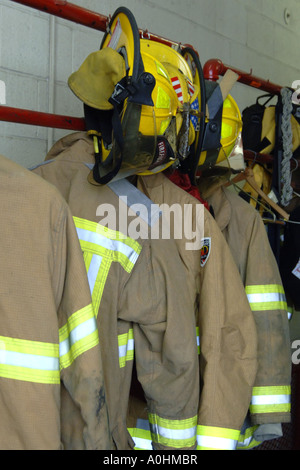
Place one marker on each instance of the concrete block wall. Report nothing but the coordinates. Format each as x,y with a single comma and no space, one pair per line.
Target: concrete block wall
38,52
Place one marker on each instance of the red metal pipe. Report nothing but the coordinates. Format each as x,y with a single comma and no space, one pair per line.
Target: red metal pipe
36,118
213,68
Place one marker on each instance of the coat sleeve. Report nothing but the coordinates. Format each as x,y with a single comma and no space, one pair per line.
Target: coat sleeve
156,299
271,399
84,422
228,345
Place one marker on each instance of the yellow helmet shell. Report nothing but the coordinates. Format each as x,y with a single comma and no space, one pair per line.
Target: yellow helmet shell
166,54
155,121
231,127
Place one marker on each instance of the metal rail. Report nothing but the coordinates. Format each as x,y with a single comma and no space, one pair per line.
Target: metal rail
213,68
36,118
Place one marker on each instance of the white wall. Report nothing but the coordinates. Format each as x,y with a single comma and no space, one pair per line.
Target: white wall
247,34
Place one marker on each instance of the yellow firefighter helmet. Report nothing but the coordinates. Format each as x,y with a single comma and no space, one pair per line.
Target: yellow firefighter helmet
225,128
130,104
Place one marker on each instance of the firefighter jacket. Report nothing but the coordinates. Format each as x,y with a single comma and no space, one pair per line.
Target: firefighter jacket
51,376
140,298
247,238
225,326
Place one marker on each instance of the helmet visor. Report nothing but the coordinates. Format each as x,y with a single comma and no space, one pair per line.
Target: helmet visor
137,154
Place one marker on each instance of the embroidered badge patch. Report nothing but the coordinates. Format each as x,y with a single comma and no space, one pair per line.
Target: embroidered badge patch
205,250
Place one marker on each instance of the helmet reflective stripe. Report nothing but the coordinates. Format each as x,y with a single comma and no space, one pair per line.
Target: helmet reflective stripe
266,297
173,433
79,334
177,87
126,347
271,399
31,361
210,438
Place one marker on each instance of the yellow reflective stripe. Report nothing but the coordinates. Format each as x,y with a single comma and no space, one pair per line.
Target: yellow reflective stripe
101,247
126,347
142,438
266,297
40,362
275,399
77,336
106,242
214,438
246,440
30,361
173,433
97,271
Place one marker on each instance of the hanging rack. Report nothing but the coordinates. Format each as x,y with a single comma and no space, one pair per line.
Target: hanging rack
213,68
82,16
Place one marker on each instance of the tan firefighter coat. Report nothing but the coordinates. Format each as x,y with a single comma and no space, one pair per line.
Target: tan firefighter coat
51,375
227,334
246,236
140,297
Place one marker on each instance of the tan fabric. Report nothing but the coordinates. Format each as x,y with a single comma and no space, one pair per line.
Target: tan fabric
43,283
226,328
247,238
143,300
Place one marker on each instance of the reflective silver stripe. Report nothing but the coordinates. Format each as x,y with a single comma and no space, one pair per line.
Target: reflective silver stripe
124,349
107,243
266,297
93,271
270,399
79,332
141,443
136,201
219,443
172,434
211,437
30,361
141,435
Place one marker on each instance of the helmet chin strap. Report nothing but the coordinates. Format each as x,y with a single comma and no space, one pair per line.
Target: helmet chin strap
138,93
217,93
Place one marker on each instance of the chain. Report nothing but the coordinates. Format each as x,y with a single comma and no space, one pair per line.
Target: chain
287,142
